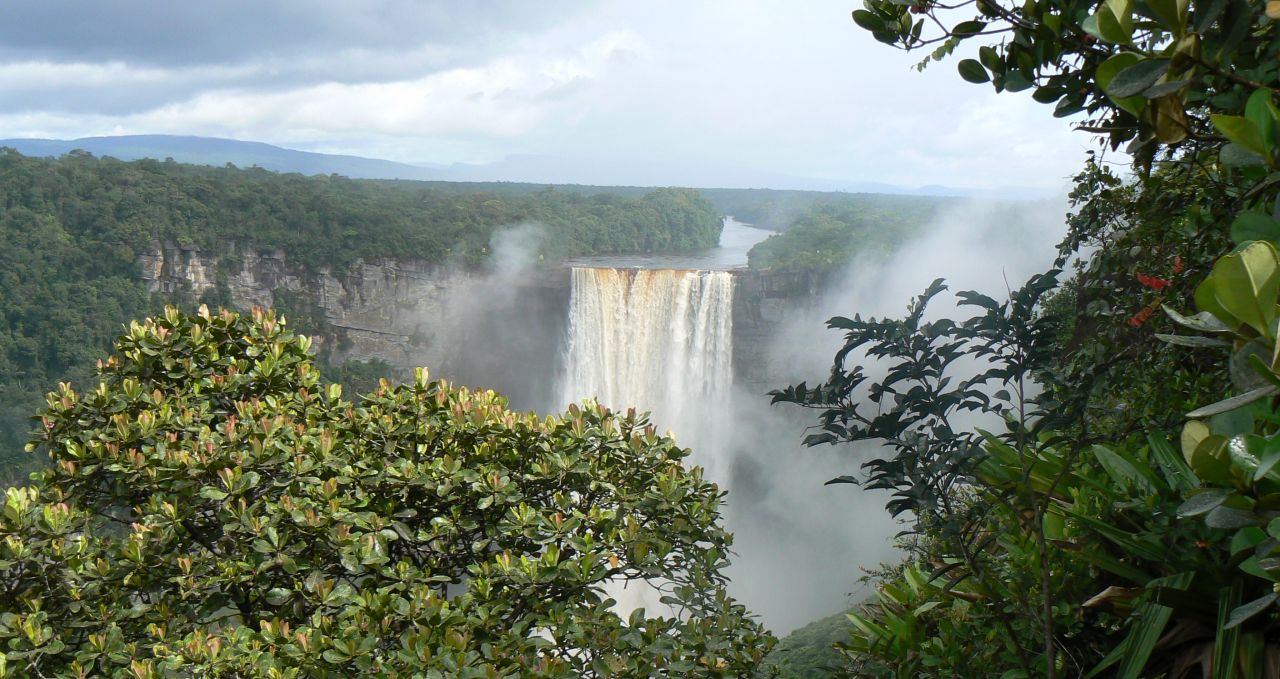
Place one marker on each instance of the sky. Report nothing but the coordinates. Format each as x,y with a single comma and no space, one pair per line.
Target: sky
792,89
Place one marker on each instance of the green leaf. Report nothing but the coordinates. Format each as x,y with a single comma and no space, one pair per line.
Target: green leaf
1262,113
1134,79
211,493
1172,14
1194,433
1254,225
1207,301
1230,518
1141,546
1110,564
1227,405
1122,10
989,57
1164,89
1125,471
1047,95
973,71
968,28
1242,131
1246,283
1225,643
1172,466
1111,28
1203,503
1015,81
1210,460
1193,341
1203,321
1147,629
1265,465
1261,369
1090,26
1107,72
868,20
1235,155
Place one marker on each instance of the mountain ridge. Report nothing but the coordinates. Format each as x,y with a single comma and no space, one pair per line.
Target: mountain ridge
517,168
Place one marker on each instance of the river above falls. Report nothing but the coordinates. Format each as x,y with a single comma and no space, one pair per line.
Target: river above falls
735,240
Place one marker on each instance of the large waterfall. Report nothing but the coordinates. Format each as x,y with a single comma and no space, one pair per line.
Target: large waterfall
656,339
659,340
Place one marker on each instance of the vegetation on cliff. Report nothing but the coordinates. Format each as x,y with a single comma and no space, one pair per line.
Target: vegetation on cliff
810,652
779,210
73,230
1117,515
828,235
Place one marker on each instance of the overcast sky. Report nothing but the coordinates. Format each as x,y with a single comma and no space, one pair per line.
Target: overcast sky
776,86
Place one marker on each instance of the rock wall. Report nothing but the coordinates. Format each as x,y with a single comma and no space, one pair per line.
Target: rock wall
462,325
763,303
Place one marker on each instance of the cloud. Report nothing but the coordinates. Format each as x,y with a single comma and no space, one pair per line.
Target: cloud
761,85
160,33
503,98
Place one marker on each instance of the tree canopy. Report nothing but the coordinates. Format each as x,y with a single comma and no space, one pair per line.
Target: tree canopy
214,509
827,236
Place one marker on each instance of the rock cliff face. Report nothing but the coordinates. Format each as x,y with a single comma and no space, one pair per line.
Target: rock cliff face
462,325
764,302
465,326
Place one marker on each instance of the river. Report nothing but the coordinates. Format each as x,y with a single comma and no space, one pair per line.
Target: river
735,240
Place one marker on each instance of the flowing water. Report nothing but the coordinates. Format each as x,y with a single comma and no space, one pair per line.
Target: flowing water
656,333
660,340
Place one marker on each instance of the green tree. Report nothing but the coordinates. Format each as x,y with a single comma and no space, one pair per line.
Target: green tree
213,509
1082,510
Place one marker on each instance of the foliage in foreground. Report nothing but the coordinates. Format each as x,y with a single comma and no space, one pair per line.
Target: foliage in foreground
1121,517
214,510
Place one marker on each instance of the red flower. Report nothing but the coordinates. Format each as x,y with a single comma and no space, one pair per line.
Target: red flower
1177,263
1153,282
1140,317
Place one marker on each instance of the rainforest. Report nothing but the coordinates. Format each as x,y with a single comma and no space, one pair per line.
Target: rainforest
570,388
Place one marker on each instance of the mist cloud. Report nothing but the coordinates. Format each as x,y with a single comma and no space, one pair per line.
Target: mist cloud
803,546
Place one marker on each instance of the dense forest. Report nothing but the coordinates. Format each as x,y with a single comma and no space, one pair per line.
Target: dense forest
827,236
73,229
772,209
778,210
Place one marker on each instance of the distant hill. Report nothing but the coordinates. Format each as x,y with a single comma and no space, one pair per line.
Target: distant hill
525,169
218,152
809,652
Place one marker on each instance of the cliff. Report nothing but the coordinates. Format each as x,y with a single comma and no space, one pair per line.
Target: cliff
462,324
466,326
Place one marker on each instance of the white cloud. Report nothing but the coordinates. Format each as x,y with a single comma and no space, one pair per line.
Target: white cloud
764,85
502,99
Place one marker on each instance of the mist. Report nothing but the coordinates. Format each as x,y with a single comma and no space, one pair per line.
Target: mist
803,547
501,327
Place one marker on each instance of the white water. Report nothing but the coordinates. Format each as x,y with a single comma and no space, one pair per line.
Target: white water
659,340
656,339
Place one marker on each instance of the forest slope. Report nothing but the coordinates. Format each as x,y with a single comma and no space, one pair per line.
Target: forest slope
74,227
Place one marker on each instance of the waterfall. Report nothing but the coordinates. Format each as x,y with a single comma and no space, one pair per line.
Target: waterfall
656,339
659,340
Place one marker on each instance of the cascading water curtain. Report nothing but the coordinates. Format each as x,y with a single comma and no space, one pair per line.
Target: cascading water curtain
659,340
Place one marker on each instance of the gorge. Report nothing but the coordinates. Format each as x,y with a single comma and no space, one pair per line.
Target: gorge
690,338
